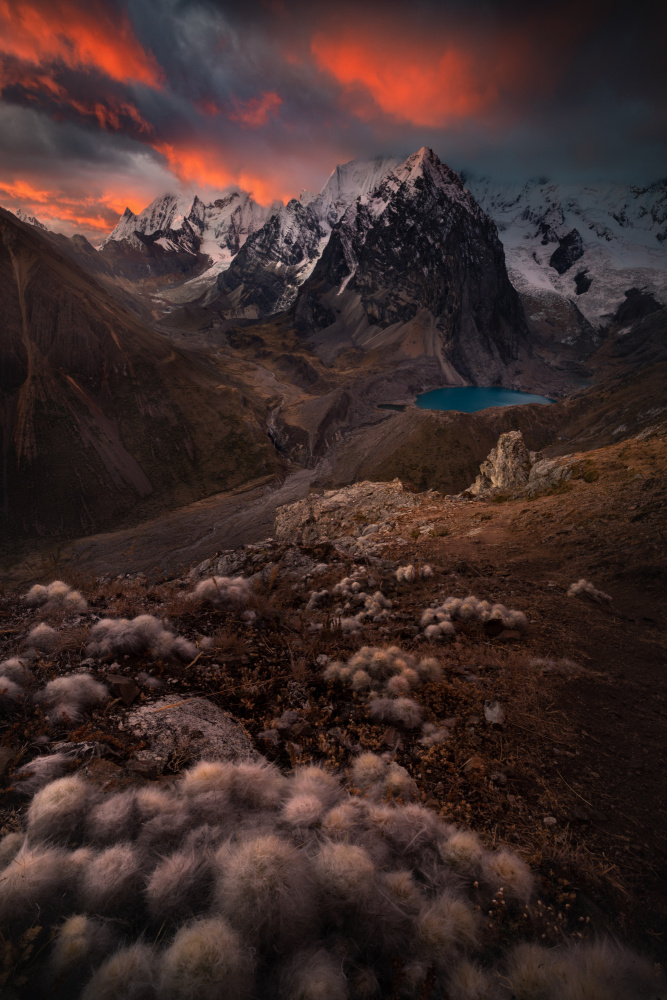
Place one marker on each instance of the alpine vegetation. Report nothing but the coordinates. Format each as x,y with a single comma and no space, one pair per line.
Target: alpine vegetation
279,886
223,592
66,698
408,574
42,770
437,620
56,594
386,677
16,670
584,588
145,633
42,637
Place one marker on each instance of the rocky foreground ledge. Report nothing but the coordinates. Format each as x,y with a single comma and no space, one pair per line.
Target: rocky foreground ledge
268,772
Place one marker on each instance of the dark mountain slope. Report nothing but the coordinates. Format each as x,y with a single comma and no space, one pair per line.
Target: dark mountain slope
102,419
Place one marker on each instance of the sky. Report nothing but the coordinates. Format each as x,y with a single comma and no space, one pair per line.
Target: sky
109,103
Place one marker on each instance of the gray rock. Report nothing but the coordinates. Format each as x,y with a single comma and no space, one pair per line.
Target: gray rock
507,466
341,514
511,468
193,728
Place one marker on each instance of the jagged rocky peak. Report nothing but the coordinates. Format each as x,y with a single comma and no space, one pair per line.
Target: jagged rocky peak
30,220
416,268
187,224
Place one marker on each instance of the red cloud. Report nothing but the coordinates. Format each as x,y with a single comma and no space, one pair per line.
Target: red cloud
206,167
447,74
257,111
58,207
80,36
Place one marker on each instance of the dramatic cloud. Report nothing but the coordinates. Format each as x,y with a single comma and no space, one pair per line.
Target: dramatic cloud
110,101
77,35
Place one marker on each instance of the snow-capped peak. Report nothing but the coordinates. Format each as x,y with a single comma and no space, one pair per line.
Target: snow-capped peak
29,219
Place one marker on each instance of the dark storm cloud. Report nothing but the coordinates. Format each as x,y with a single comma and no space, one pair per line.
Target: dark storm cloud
133,96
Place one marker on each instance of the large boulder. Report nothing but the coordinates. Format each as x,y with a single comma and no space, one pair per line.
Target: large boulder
507,466
511,468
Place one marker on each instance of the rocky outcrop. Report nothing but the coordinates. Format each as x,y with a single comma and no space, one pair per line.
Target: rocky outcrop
570,249
507,467
511,468
346,512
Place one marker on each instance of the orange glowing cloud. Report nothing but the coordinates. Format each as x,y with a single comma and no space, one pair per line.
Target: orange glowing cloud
436,79
422,85
80,36
97,213
257,111
204,167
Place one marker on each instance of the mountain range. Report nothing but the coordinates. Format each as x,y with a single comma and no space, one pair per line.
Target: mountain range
577,247
204,345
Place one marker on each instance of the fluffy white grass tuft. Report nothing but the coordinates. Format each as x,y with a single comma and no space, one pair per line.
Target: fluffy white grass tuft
344,871
437,620
111,879
57,810
32,881
143,633
42,637
9,848
130,974
506,871
265,888
206,960
406,574
463,852
171,887
433,735
223,592
11,694
40,771
584,588
447,926
314,975
561,668
66,698
16,670
469,982
288,863
381,779
79,941
401,711
56,594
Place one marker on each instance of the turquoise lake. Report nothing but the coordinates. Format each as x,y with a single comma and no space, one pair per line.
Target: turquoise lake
469,398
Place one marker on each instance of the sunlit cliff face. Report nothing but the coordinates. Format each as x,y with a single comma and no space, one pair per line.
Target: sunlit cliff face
107,103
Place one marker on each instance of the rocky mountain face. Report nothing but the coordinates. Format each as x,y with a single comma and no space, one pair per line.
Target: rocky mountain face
573,251
265,276
183,235
416,269
101,417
